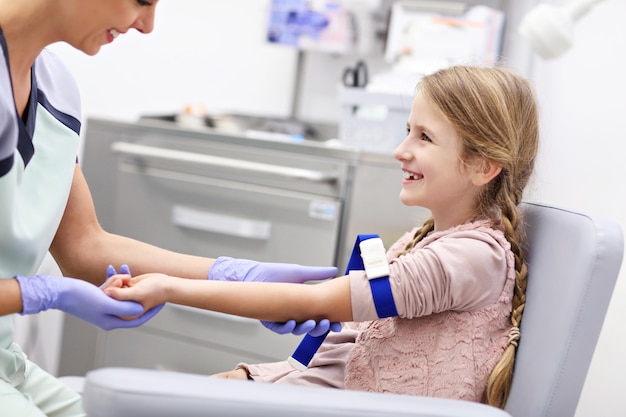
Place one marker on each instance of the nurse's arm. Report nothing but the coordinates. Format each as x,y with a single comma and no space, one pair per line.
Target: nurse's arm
83,250
10,297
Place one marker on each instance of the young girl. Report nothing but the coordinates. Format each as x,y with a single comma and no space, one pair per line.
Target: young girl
458,281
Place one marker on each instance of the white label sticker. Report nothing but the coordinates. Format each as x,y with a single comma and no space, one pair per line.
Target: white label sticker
322,210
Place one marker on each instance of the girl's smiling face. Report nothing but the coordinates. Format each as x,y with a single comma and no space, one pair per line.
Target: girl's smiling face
94,23
434,175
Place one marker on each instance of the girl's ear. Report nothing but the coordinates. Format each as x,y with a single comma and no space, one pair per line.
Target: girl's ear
484,172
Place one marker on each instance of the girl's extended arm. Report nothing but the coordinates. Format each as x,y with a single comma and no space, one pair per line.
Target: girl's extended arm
265,301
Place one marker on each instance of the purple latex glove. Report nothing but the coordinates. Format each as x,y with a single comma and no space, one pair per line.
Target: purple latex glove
245,270
232,269
80,299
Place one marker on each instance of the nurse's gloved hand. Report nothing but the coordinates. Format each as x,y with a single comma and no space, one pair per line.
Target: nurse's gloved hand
310,326
80,299
244,270
232,269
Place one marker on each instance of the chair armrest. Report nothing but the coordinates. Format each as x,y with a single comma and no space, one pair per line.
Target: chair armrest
129,392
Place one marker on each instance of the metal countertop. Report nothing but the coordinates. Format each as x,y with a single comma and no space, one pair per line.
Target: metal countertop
307,147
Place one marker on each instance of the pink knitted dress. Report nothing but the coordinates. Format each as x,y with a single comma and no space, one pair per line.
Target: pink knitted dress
453,292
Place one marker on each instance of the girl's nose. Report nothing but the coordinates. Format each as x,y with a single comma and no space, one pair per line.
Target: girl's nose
402,156
400,153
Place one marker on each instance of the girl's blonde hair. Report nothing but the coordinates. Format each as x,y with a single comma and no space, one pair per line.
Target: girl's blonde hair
495,114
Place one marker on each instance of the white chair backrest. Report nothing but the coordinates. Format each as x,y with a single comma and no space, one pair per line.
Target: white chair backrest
573,263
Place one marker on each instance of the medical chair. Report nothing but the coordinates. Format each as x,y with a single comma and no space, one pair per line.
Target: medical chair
573,264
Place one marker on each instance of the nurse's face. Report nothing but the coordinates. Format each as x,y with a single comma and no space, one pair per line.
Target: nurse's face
94,23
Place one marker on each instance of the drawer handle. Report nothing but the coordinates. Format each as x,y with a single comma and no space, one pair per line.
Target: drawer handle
134,149
220,223
212,314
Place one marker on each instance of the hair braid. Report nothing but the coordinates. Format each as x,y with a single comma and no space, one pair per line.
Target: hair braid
427,227
499,382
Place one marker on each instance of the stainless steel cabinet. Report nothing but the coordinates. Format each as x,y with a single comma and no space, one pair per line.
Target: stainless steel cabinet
211,200
186,339
209,194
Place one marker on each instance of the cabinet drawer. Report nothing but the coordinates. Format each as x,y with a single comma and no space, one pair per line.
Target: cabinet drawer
148,347
242,163
223,331
213,217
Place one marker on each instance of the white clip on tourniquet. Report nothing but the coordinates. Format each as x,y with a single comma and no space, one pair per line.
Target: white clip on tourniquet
377,271
374,258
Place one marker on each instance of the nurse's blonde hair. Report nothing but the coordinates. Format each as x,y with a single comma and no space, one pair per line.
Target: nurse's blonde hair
495,113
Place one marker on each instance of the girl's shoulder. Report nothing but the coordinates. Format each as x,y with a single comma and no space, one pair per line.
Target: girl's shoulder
480,230
476,227
483,230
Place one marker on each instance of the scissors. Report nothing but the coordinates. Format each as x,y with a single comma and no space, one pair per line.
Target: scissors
355,77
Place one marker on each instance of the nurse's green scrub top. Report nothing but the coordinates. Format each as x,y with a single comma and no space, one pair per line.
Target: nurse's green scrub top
37,161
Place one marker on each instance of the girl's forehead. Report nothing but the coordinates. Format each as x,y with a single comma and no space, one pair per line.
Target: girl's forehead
424,112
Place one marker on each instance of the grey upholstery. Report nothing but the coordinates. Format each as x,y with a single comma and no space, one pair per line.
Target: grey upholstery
573,260
573,263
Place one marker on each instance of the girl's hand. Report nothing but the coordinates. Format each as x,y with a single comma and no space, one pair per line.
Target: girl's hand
121,280
147,289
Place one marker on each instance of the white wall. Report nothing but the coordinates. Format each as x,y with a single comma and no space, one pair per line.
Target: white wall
582,165
212,51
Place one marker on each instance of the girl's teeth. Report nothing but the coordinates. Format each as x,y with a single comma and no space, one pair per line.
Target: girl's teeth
114,33
410,176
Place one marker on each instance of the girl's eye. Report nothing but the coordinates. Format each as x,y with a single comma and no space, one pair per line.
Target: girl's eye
144,2
426,137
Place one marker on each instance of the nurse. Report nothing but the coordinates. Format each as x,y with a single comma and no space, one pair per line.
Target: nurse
46,204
